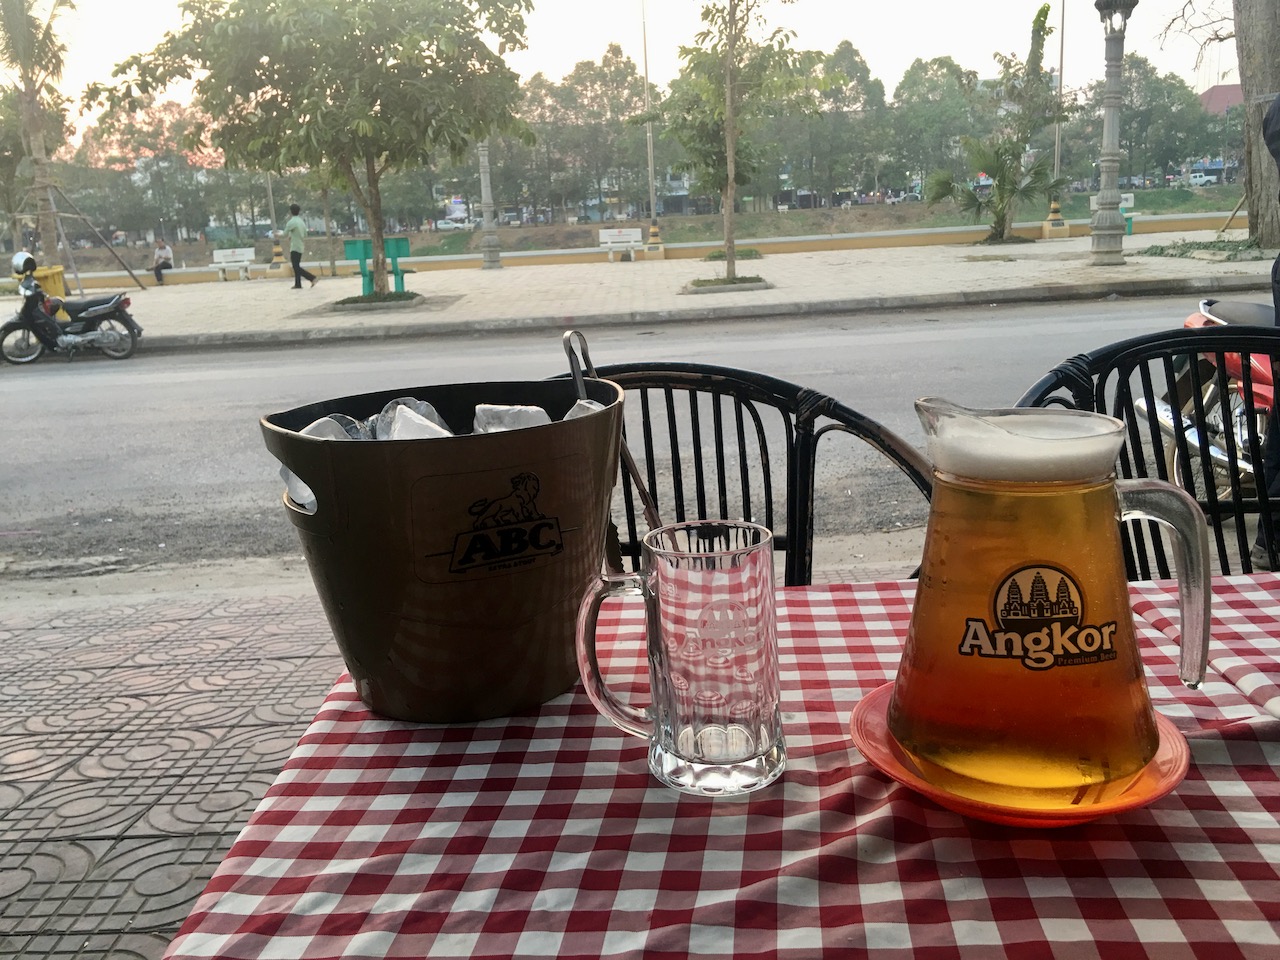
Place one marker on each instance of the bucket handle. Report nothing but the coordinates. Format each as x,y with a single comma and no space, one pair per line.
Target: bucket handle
303,458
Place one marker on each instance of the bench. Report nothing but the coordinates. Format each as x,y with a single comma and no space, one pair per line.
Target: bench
233,258
621,238
393,247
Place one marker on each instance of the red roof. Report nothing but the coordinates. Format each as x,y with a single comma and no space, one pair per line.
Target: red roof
1222,97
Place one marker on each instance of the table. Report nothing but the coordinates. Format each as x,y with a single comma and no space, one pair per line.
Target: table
543,835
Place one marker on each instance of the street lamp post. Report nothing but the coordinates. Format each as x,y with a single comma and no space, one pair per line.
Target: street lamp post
490,259
655,241
1107,226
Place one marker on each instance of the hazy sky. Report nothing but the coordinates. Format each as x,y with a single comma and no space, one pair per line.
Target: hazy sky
100,33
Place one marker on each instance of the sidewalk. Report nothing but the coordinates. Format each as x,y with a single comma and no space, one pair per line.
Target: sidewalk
521,296
139,731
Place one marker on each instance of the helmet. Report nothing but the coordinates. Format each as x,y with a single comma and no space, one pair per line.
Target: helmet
23,262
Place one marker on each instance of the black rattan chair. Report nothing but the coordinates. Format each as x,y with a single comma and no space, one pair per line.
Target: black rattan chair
1195,403
715,442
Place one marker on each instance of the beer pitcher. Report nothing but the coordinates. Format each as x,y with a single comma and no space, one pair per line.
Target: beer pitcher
1020,682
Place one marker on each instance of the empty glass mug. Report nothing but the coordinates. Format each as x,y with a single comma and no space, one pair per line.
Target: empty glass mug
714,727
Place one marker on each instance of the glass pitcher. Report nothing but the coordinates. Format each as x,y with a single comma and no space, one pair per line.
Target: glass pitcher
1020,682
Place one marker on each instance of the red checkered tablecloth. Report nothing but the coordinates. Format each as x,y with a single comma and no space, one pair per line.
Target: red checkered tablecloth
544,835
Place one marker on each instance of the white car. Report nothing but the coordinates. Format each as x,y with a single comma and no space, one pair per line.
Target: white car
905,198
446,225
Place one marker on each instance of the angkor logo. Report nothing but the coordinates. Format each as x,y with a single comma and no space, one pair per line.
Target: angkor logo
1038,614
508,531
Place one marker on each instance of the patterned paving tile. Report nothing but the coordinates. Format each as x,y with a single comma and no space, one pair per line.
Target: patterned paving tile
135,741
37,877
142,885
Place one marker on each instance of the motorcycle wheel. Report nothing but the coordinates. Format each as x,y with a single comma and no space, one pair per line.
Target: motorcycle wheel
126,341
19,345
1218,420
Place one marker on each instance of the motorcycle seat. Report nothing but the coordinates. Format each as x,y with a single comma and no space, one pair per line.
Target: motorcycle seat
74,307
1239,311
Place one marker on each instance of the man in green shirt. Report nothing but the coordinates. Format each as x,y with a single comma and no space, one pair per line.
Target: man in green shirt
297,231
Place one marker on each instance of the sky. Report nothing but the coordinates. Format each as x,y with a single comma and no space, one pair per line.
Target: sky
99,34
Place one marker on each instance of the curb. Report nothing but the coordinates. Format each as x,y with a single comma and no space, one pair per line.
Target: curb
443,328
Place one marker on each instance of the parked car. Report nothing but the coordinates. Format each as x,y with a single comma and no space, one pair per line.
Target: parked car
904,198
460,224
1203,179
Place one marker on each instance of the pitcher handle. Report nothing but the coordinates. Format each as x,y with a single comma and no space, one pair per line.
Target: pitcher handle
623,715
1148,499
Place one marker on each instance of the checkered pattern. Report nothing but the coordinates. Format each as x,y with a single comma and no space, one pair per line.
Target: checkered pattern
544,835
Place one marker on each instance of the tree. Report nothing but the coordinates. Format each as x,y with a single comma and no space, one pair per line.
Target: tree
366,86
1254,25
32,52
935,104
1028,105
1257,40
727,80
1013,182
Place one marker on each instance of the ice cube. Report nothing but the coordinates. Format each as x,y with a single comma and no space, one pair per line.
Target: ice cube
356,429
326,428
408,425
582,408
383,421
494,418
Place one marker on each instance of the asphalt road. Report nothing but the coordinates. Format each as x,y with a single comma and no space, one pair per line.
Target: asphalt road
117,466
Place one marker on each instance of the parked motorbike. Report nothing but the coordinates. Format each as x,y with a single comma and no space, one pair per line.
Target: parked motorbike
1230,411
103,323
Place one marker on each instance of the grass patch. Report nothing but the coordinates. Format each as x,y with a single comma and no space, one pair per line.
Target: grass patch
725,281
389,297
449,244
1247,249
744,253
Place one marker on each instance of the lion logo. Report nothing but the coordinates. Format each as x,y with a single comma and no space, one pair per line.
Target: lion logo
518,506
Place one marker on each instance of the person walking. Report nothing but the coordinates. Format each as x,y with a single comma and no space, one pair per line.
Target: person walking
297,231
162,259
1261,556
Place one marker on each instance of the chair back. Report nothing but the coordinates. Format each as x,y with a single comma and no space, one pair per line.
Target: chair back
716,442
1197,404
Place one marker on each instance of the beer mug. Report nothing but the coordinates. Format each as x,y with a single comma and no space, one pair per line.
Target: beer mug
1020,683
714,727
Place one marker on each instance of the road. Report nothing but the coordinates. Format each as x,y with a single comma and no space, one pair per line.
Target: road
158,460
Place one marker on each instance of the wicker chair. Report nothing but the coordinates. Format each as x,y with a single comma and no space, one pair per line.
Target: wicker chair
715,442
1195,403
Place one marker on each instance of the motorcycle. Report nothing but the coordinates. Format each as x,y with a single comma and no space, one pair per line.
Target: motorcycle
1232,421
103,323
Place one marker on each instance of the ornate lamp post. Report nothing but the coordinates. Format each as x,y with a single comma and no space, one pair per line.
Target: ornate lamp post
655,241
490,260
1108,224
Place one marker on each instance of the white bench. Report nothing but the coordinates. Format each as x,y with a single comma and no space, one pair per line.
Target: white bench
622,238
237,258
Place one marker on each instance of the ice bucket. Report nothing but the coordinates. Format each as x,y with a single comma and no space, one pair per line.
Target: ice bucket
451,569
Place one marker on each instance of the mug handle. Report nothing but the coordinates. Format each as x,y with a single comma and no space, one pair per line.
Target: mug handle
622,715
1149,499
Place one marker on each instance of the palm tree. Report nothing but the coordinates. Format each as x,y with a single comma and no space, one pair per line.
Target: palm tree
31,50
1013,183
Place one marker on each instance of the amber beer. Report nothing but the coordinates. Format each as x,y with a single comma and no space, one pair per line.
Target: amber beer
1021,682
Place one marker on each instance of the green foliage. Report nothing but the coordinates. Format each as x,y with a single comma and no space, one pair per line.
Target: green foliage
1247,249
362,86
744,253
1013,182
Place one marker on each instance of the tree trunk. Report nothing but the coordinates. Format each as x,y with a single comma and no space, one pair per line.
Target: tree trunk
1257,40
33,133
374,212
730,142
